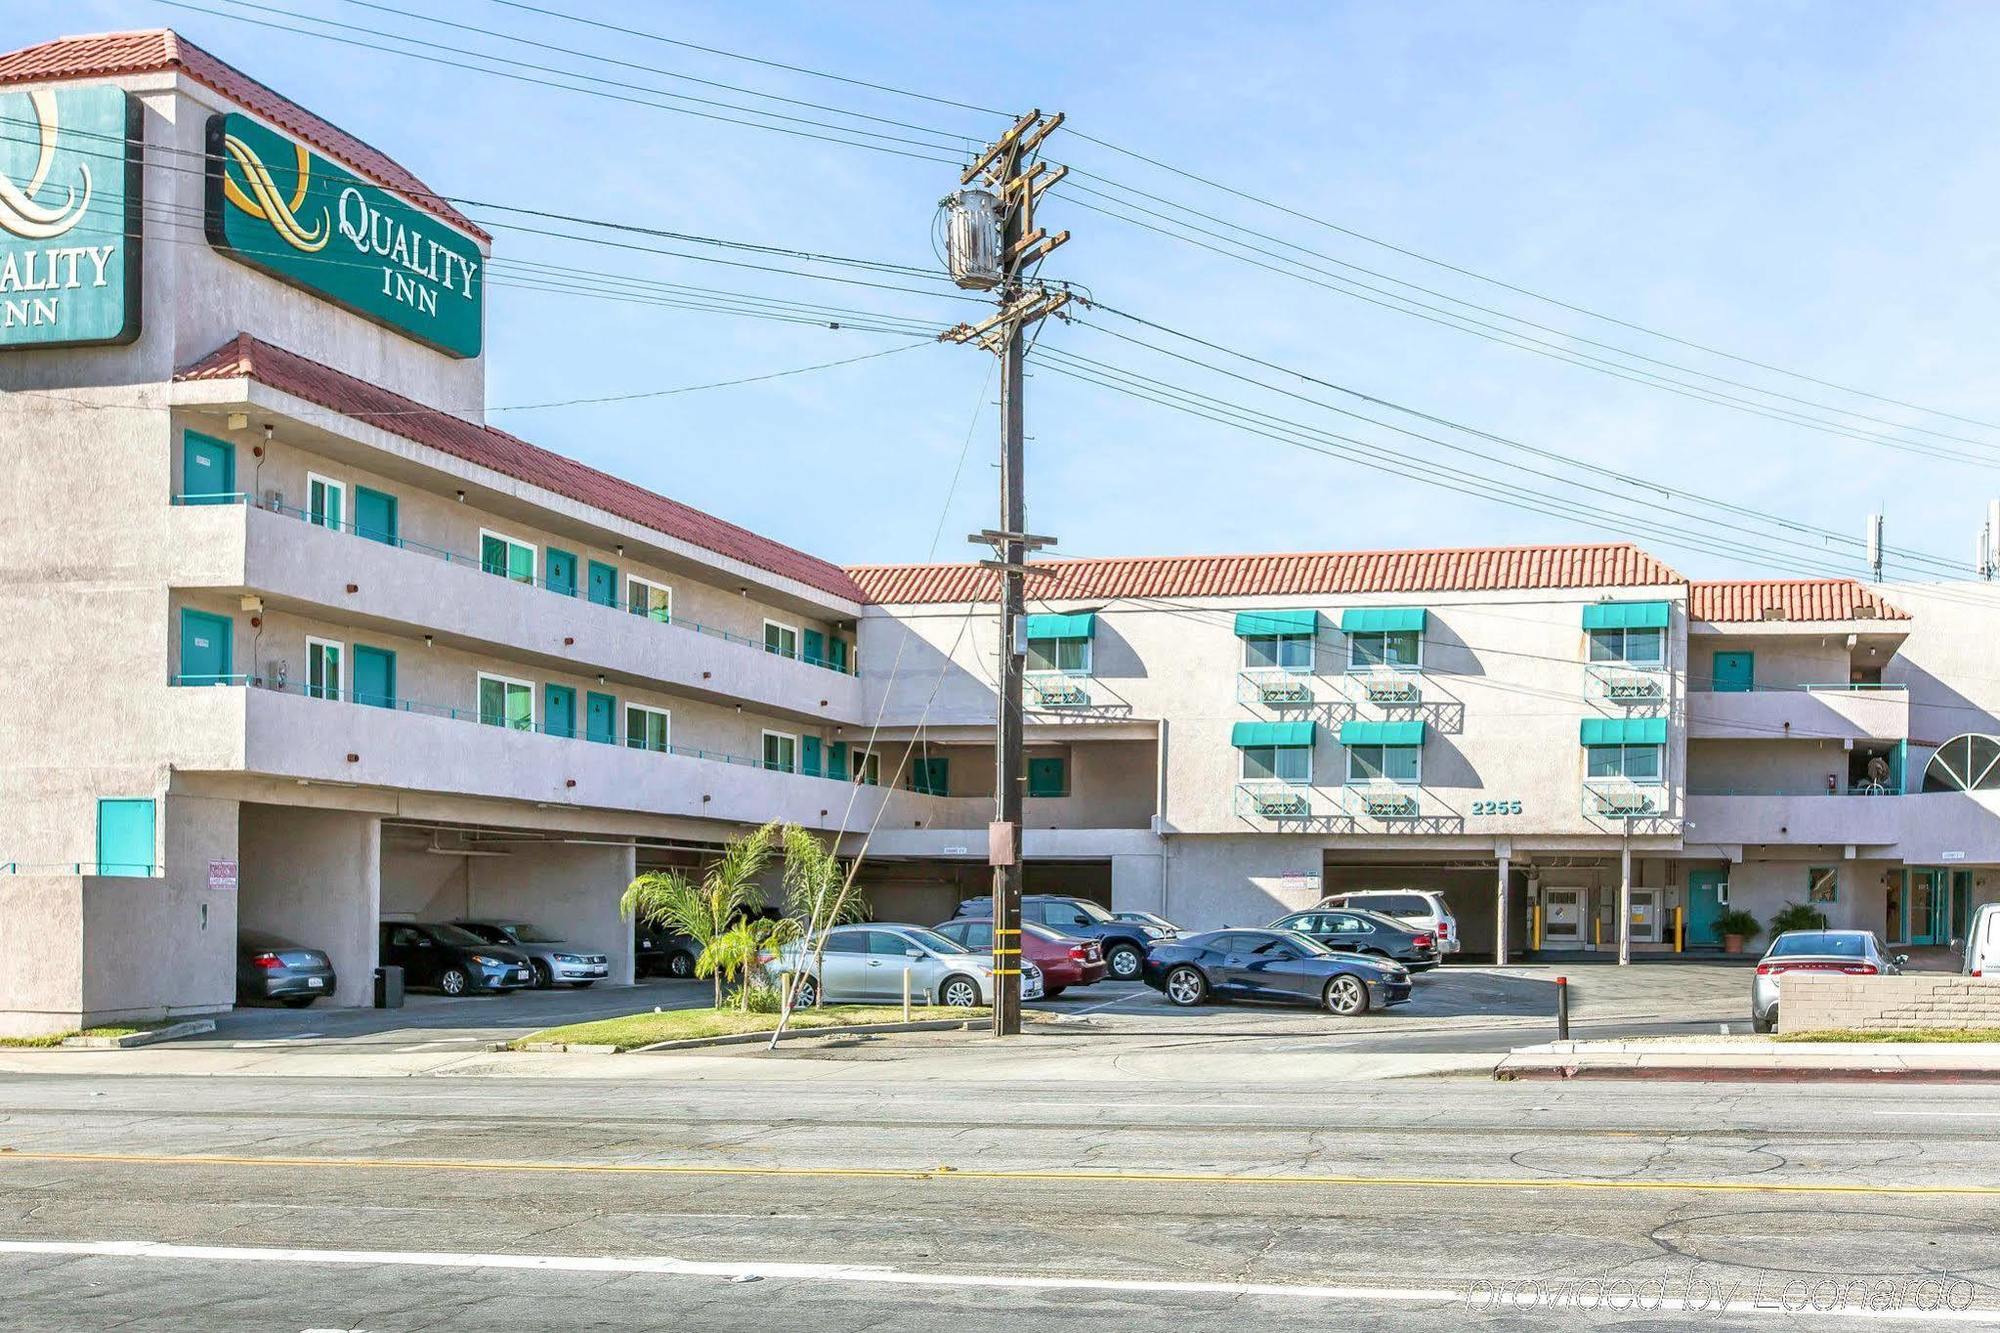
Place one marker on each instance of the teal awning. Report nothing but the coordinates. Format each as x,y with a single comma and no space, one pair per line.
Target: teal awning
1383,620
1254,735
1628,615
1080,626
1624,731
1382,733
1262,624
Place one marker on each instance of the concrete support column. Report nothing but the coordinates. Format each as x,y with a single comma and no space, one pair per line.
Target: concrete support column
1500,913
314,877
1625,903
1138,884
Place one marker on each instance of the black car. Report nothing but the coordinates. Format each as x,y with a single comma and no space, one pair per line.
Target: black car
1275,965
1124,942
268,968
1351,930
454,961
658,951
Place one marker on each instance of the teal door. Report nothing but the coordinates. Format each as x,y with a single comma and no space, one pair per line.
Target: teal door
603,587
1704,905
836,760
375,516
814,649
932,776
559,710
1929,902
1734,673
125,837
809,756
208,470
207,650
559,567
836,651
374,676
600,718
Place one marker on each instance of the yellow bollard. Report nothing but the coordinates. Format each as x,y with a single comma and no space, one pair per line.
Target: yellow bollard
1597,932
1535,925
1680,932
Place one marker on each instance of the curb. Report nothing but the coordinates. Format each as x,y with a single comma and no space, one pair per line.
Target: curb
193,1027
848,1030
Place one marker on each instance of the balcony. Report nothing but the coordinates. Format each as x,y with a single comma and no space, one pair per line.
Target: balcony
1389,686
1626,685
1386,802
1794,817
404,744
1620,800
1274,800
274,552
1272,687
1057,692
1812,712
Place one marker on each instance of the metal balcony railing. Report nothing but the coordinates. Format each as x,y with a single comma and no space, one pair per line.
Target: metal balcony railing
1392,687
1382,800
1274,687
1058,692
1619,798
1273,800
1622,683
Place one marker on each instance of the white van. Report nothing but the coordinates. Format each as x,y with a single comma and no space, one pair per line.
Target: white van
1421,908
1982,942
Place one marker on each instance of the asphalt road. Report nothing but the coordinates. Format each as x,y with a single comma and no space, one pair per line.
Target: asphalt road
786,1200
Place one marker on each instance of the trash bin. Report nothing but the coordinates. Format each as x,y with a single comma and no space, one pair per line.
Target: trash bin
388,988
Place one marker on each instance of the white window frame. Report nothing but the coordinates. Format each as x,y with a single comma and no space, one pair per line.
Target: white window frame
1659,779
793,630
1312,653
650,710
1243,764
344,521
649,584
1084,669
1356,667
764,750
864,763
313,644
1625,658
1415,780
534,701
534,555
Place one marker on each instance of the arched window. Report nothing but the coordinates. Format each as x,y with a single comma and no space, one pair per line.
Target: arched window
1965,763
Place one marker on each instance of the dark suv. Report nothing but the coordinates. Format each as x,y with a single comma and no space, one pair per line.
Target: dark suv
1124,942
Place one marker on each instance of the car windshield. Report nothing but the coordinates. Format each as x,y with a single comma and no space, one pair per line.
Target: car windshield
931,940
1091,910
1306,943
453,935
1821,942
523,933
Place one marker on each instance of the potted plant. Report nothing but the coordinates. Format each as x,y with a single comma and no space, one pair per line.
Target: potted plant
1734,927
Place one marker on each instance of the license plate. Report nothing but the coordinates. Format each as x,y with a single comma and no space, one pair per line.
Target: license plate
315,982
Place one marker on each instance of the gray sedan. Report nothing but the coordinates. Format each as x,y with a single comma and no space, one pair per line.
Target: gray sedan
866,964
1854,953
555,962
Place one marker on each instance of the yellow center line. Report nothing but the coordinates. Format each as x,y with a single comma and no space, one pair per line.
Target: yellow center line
1084,1177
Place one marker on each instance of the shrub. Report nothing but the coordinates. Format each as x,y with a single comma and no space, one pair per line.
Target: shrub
757,997
1736,921
1798,916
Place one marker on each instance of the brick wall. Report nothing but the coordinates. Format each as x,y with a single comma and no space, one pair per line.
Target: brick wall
1887,1004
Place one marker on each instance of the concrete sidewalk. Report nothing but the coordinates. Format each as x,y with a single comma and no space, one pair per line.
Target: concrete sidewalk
1752,1057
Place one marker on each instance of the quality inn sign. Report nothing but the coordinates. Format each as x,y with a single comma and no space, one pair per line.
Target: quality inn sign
69,217
277,206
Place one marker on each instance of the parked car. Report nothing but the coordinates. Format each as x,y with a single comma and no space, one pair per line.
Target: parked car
268,968
454,961
1065,960
660,952
1276,965
865,965
1146,919
1422,909
1856,953
1352,930
553,960
1124,942
1982,941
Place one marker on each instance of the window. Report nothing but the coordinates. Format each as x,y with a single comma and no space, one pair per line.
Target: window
1639,647
324,501
847,941
645,598
781,752
506,703
781,639
503,555
648,728
1071,657
1384,648
325,663
1048,776
1278,763
1822,885
976,936
1634,763
1385,763
1282,652
868,769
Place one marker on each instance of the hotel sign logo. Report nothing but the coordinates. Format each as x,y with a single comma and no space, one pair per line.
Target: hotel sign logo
69,217
279,207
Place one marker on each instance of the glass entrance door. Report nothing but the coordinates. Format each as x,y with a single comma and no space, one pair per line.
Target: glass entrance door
1929,907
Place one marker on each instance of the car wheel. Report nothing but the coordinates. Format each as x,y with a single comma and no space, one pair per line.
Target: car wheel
959,993
807,994
1124,961
680,966
1764,1024
453,981
1346,996
298,1001
543,977
1186,986
1051,992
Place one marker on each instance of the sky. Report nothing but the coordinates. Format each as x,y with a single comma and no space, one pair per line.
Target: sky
1807,186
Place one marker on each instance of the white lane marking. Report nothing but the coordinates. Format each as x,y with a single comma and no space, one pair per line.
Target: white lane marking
1078,1013
1969,1115
1473,1294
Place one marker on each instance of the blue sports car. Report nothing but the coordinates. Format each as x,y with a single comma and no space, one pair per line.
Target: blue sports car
1276,965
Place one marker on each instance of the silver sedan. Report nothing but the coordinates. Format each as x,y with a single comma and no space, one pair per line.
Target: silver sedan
1854,953
866,965
555,962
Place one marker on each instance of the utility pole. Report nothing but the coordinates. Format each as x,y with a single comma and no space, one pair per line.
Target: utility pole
994,243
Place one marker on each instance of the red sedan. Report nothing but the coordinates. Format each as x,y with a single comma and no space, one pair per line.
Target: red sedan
1065,960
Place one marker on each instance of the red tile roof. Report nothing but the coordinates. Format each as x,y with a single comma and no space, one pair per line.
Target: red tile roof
114,53
1478,569
247,358
1742,600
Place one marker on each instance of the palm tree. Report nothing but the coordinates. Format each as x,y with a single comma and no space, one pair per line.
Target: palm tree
736,951
707,911
819,893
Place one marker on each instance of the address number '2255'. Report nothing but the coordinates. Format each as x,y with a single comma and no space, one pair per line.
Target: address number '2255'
1496,807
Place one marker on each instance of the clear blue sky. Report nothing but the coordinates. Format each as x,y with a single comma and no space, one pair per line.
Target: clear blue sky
1812,185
